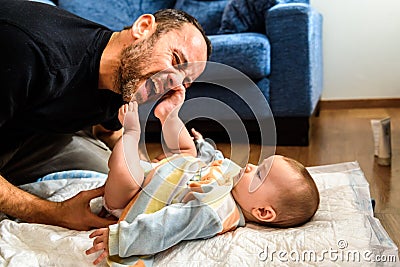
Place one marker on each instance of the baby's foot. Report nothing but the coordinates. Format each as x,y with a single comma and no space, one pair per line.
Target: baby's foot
129,117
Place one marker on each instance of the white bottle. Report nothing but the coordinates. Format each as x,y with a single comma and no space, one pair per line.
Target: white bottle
382,136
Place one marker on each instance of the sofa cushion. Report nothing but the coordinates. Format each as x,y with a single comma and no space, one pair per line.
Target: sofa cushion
247,52
115,14
293,1
44,2
207,12
245,16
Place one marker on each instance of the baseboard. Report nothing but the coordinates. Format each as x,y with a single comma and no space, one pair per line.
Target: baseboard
360,103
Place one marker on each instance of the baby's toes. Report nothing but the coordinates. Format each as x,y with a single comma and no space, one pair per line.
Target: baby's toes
133,106
124,108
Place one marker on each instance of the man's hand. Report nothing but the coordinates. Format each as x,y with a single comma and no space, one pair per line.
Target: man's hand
76,214
73,213
171,102
100,243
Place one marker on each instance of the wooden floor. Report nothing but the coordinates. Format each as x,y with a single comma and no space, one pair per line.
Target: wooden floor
342,135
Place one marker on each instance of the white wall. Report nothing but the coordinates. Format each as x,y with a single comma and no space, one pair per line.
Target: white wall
361,48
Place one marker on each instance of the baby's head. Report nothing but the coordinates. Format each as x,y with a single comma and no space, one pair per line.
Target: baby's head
279,192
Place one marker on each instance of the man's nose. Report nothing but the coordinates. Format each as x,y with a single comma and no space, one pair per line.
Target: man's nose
175,80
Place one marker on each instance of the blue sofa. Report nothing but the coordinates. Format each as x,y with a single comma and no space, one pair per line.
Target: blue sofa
280,51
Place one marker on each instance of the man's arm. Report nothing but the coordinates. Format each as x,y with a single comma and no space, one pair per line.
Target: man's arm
73,213
176,136
14,98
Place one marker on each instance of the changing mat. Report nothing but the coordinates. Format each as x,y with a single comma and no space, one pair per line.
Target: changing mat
343,232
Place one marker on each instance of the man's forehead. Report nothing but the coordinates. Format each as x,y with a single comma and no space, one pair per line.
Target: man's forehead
190,41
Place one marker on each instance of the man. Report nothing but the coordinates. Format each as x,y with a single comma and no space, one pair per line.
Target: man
60,74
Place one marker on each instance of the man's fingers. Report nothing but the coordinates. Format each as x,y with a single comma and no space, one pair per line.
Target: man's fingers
98,222
95,220
93,193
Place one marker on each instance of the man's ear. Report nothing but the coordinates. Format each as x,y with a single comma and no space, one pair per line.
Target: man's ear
265,214
143,26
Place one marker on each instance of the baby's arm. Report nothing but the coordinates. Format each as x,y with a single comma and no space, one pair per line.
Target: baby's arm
176,136
126,175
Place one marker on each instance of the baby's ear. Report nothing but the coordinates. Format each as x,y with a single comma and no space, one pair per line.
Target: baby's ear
264,214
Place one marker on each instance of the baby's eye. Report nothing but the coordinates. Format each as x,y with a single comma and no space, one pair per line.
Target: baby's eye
259,174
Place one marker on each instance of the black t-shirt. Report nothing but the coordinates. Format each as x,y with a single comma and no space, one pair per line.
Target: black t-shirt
49,68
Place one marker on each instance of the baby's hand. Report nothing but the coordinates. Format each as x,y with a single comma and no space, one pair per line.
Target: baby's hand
100,243
196,135
129,117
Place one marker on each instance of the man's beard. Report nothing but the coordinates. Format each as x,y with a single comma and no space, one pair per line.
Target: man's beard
135,59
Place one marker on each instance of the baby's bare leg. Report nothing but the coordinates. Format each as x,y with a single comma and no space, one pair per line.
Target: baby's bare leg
126,175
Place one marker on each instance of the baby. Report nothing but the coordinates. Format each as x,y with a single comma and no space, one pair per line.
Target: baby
188,196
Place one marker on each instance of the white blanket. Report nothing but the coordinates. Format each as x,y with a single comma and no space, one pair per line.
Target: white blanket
343,232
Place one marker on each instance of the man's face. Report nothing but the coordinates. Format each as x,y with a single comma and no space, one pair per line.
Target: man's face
153,65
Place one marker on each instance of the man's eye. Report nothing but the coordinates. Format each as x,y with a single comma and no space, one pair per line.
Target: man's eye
177,60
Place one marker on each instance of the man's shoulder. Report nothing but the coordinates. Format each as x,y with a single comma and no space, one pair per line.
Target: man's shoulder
60,36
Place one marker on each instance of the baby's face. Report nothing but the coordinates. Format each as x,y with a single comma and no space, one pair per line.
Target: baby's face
256,184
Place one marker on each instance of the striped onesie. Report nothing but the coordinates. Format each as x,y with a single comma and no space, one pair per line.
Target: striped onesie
187,198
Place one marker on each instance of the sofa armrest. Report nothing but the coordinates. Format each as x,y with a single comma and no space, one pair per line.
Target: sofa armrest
295,34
